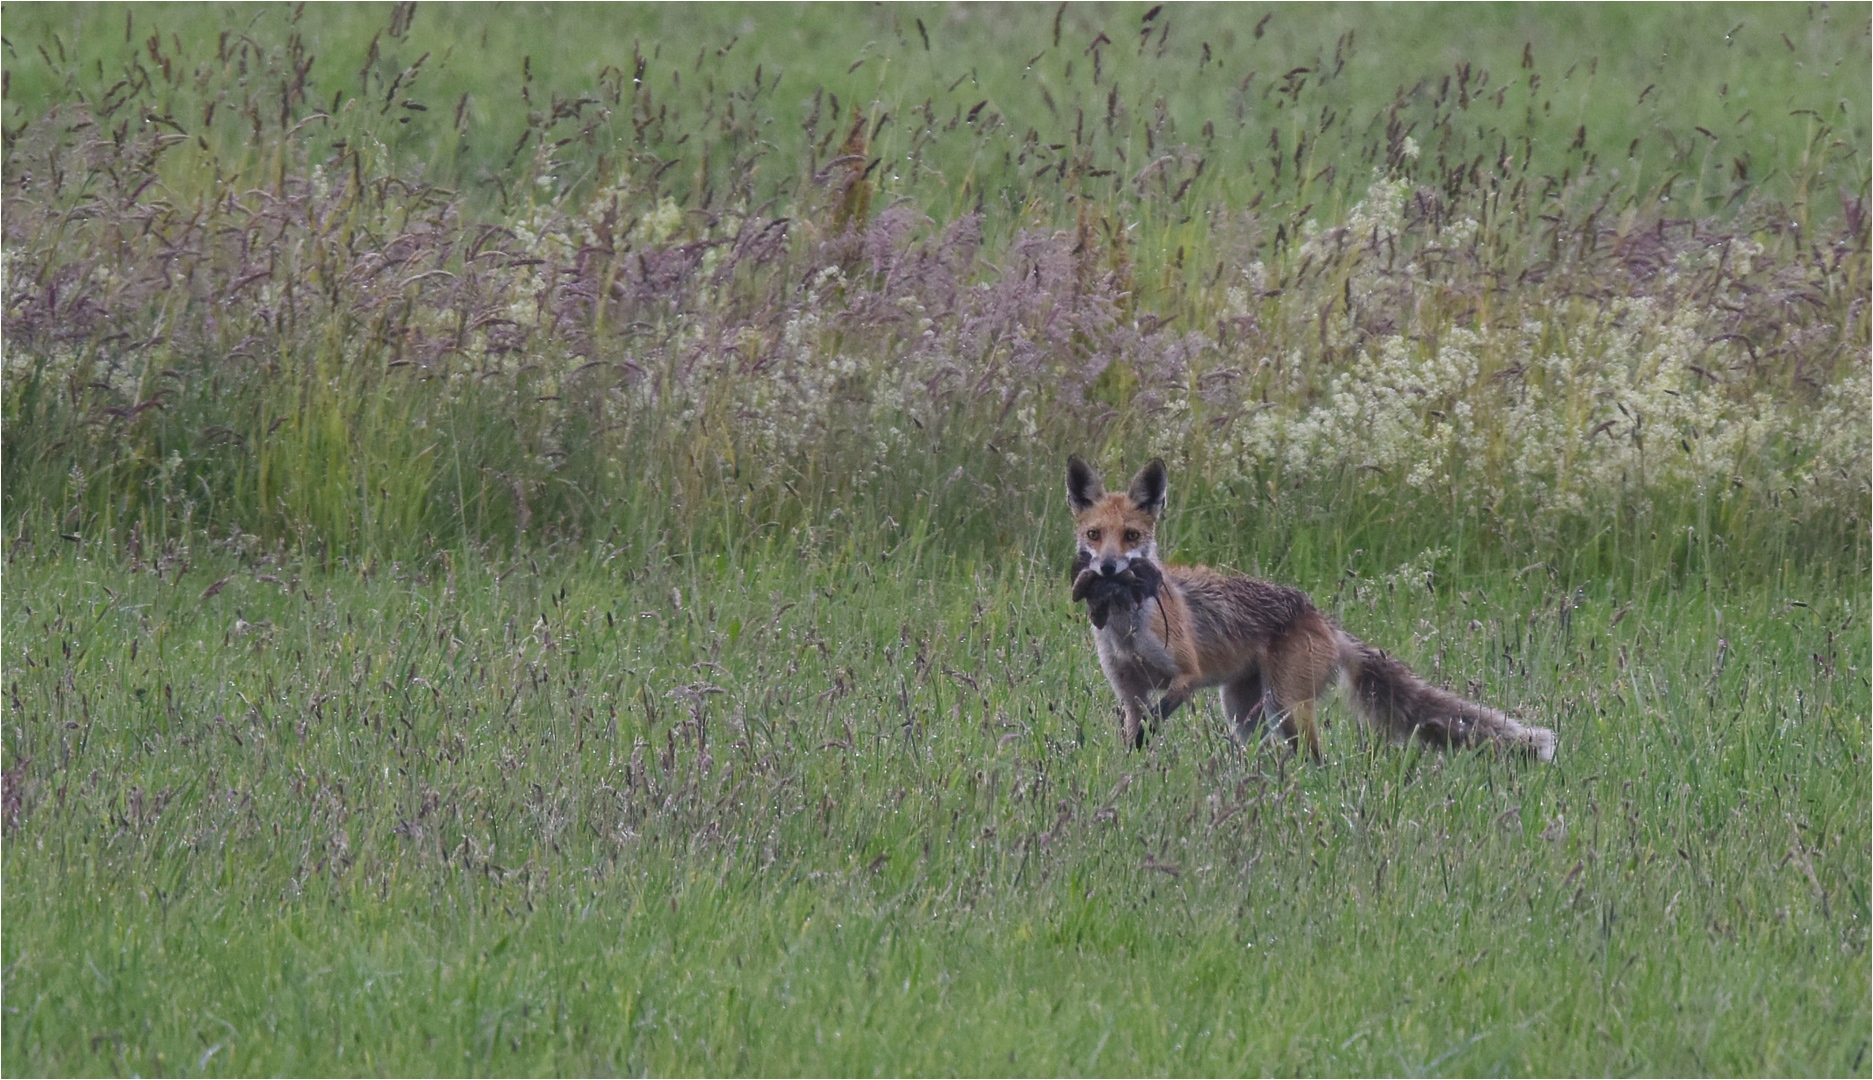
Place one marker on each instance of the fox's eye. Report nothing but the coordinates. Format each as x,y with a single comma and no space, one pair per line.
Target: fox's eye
1093,535
1131,536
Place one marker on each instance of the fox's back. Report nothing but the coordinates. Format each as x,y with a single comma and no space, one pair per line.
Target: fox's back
1237,609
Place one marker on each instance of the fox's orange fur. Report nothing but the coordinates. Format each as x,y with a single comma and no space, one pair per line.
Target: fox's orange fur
1272,653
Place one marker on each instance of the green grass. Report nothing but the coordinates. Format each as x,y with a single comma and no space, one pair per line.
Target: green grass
500,580
1735,70
251,287
798,812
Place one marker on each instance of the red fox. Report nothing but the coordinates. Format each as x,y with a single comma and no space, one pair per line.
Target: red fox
1180,629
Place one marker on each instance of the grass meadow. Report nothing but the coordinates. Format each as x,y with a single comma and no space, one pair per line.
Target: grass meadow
535,540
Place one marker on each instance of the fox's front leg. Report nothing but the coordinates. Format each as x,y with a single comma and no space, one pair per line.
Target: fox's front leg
1134,732
1131,685
1174,696
1186,675
1183,668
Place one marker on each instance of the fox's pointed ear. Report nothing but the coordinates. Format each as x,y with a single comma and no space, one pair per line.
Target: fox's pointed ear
1083,485
1148,487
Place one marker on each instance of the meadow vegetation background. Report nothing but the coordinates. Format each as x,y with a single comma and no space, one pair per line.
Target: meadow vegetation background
534,535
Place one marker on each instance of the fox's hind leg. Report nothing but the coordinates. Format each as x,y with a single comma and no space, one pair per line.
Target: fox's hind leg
1253,706
1300,665
1249,705
1299,721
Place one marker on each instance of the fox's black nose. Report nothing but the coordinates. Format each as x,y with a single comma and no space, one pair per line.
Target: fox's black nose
1108,567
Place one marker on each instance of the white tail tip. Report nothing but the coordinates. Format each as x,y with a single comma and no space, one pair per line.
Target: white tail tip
1542,742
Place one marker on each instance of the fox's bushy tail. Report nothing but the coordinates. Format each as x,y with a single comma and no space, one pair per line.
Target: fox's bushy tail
1396,701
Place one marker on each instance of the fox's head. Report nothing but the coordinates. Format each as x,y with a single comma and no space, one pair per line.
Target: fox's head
1114,528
